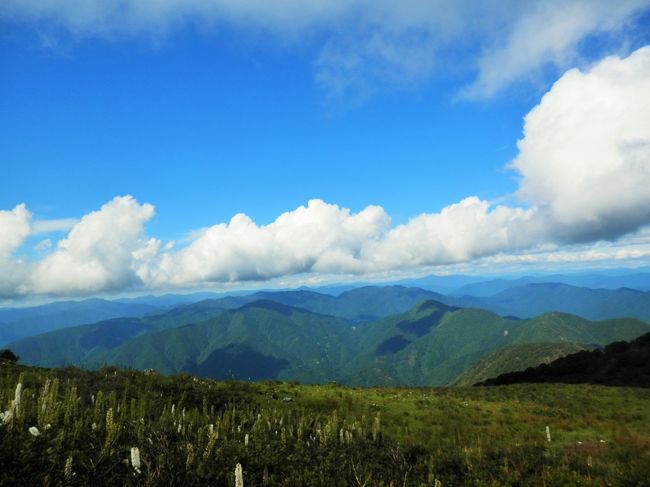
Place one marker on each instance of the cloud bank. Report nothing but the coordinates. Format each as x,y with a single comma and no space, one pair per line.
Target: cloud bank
584,173
584,160
363,45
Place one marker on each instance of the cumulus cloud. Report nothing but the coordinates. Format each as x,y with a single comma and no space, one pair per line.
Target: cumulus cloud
15,227
460,232
102,252
364,44
318,237
584,159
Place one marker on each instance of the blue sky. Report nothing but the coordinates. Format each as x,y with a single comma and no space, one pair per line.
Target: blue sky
229,109
204,131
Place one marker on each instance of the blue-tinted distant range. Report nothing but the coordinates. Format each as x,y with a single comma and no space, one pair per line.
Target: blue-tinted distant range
156,147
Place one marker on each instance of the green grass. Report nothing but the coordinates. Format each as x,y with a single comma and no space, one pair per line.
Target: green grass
315,435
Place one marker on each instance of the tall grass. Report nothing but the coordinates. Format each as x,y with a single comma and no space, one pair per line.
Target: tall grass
115,427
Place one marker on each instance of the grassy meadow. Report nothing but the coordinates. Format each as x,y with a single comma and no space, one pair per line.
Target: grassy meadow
122,427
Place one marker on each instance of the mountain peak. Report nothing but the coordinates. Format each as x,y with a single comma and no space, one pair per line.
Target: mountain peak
267,304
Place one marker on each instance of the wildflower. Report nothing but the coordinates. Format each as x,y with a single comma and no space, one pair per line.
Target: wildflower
6,417
135,459
548,434
239,476
246,440
67,469
34,431
19,391
190,455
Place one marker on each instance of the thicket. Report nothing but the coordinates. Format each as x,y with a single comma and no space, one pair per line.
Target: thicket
121,427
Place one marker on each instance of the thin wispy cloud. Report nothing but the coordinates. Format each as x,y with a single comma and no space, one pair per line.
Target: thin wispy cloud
363,46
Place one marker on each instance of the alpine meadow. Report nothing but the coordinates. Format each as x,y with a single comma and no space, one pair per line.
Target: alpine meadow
308,243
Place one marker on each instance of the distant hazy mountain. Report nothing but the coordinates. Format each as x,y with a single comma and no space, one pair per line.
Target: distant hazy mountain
170,300
16,323
534,299
514,358
440,284
619,364
360,305
639,281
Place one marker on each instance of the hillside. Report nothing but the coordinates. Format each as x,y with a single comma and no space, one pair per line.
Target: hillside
121,427
260,340
72,345
434,343
619,364
514,358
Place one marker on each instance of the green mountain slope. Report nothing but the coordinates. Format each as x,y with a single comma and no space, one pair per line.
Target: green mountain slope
261,340
72,345
619,364
398,351
513,358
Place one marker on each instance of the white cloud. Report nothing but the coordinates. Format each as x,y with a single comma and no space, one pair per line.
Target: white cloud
585,155
365,44
547,33
100,253
15,227
460,232
318,237
48,226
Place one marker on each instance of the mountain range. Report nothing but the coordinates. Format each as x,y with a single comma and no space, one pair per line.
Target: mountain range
530,300
418,340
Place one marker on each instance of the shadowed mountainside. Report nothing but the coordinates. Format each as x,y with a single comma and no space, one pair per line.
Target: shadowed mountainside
619,364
